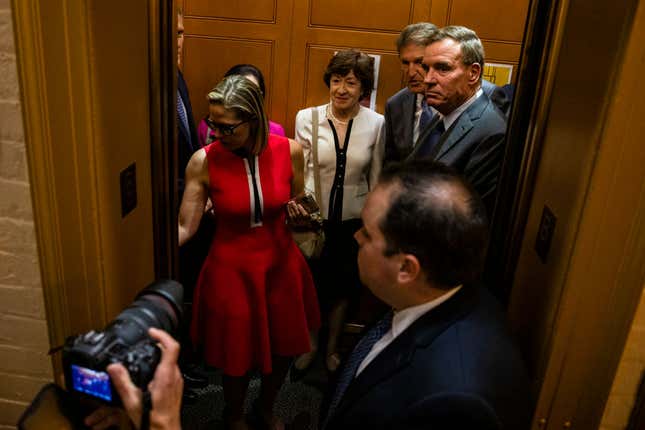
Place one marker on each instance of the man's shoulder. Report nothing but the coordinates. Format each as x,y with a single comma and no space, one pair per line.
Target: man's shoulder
400,97
463,321
484,114
474,359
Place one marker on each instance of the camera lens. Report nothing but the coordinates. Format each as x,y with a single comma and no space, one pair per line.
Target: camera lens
158,305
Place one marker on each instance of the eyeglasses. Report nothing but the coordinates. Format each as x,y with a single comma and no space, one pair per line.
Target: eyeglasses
225,129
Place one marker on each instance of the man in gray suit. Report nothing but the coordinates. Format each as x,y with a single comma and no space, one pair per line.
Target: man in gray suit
406,112
468,131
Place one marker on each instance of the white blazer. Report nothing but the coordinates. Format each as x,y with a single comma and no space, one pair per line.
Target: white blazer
364,157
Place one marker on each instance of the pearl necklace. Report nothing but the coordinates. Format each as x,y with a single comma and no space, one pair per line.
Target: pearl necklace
330,115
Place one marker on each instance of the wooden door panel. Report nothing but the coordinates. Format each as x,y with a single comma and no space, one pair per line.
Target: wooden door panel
378,15
206,59
292,41
501,20
242,10
218,37
499,24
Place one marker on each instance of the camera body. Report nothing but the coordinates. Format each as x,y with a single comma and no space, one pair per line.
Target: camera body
86,357
125,340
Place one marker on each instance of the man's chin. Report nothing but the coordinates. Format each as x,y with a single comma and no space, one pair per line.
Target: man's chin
433,100
417,88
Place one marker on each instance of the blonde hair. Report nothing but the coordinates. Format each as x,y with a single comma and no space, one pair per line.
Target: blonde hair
240,95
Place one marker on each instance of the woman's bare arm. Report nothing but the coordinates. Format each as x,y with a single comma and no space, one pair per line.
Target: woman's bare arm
296,213
195,196
298,168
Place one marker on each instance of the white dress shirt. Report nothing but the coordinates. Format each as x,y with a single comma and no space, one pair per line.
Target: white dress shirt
452,116
400,322
417,116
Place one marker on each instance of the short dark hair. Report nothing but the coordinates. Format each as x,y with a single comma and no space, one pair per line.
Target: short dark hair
418,33
352,60
437,216
248,69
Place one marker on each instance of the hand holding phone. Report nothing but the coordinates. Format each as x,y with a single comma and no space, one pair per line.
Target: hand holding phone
304,212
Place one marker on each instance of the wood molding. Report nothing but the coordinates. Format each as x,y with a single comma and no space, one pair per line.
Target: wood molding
76,65
40,103
163,152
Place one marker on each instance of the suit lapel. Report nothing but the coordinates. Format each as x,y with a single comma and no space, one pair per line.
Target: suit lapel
462,125
407,120
399,353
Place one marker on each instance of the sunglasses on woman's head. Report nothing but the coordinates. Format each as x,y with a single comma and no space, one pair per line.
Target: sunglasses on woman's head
225,129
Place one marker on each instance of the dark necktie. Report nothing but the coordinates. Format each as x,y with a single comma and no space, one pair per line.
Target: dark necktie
426,116
356,358
432,140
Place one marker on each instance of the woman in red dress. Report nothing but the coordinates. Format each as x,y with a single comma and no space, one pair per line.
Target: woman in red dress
254,303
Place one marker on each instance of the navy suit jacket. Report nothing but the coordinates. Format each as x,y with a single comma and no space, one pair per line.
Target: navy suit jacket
187,142
456,367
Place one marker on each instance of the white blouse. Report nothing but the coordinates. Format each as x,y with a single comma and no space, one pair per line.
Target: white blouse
364,157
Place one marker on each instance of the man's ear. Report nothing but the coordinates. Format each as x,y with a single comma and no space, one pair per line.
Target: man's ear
474,73
410,269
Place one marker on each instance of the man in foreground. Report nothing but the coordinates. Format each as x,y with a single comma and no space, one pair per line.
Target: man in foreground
443,358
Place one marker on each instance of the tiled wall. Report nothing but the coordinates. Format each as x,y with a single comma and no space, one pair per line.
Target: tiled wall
628,376
24,365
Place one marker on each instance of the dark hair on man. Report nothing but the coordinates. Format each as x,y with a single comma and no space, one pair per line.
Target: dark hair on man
437,216
352,60
419,33
472,50
248,69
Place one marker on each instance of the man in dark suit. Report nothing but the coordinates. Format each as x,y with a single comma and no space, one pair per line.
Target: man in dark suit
469,131
193,253
406,112
443,359
187,142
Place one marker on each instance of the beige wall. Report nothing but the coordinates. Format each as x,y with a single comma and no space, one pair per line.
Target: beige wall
628,376
24,365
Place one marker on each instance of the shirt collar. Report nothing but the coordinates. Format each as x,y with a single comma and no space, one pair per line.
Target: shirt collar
452,116
404,318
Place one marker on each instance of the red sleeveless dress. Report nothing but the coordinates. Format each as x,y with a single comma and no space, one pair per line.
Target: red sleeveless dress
255,295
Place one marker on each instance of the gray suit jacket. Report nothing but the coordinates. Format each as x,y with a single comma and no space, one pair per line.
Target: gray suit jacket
473,145
399,122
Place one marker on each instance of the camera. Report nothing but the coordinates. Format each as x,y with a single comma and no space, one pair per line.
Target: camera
125,340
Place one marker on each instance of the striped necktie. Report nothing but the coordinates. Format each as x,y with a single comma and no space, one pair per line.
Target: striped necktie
355,359
183,117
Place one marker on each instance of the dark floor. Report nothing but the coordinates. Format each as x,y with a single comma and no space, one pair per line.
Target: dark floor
299,401
297,405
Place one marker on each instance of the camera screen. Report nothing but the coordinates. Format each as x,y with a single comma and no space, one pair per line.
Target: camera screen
91,382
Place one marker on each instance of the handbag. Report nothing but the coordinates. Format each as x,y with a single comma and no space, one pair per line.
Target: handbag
311,242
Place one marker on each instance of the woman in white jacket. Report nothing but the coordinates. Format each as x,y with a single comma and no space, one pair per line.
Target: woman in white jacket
349,153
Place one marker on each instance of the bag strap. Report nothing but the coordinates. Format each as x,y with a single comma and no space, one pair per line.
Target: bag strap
314,153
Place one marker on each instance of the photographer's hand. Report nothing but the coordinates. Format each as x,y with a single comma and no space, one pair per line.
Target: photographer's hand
165,388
